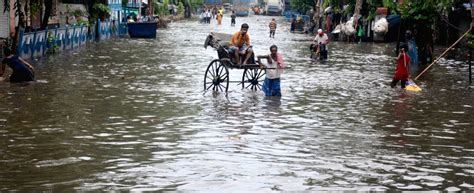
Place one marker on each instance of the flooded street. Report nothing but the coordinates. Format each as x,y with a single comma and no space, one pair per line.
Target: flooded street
131,114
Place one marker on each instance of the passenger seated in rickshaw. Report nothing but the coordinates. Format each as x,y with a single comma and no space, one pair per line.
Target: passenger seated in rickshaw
240,45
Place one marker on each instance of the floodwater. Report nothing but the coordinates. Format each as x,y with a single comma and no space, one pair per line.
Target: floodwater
131,115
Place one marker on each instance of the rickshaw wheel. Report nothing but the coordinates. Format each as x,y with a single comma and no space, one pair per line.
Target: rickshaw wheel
216,77
253,78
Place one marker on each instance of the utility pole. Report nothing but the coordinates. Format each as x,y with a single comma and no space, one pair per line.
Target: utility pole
11,16
317,13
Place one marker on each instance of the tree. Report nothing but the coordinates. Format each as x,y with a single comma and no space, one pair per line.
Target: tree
180,8
301,5
48,6
424,15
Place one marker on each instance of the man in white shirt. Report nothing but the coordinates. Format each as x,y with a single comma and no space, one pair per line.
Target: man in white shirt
321,40
274,65
208,16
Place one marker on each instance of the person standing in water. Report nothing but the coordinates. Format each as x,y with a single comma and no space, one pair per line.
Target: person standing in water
232,18
22,70
402,72
273,27
274,64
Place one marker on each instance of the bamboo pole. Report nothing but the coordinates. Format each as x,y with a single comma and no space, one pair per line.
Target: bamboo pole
446,51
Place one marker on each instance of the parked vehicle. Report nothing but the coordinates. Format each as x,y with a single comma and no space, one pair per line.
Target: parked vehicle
242,7
226,6
274,7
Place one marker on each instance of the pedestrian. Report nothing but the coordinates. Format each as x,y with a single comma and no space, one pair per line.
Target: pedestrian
219,18
22,70
208,16
320,48
360,33
232,18
274,65
293,24
402,72
240,44
412,48
202,17
272,26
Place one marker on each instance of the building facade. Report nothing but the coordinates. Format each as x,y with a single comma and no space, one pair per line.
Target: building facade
4,22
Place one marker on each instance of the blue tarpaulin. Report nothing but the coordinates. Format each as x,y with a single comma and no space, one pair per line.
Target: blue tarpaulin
467,5
393,20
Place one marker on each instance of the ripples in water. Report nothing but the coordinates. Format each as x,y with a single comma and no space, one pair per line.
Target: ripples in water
130,114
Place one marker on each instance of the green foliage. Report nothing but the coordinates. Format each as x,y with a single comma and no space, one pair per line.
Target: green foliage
325,4
101,8
349,9
374,4
35,7
77,13
470,42
196,3
180,8
83,22
68,8
301,5
161,9
390,5
51,44
426,10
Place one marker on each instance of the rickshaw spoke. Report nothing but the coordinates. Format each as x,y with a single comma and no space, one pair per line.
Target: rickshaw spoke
224,78
211,72
260,74
220,72
220,87
248,79
217,70
248,86
209,86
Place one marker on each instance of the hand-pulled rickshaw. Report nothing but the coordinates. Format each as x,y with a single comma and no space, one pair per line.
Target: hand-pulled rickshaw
217,73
